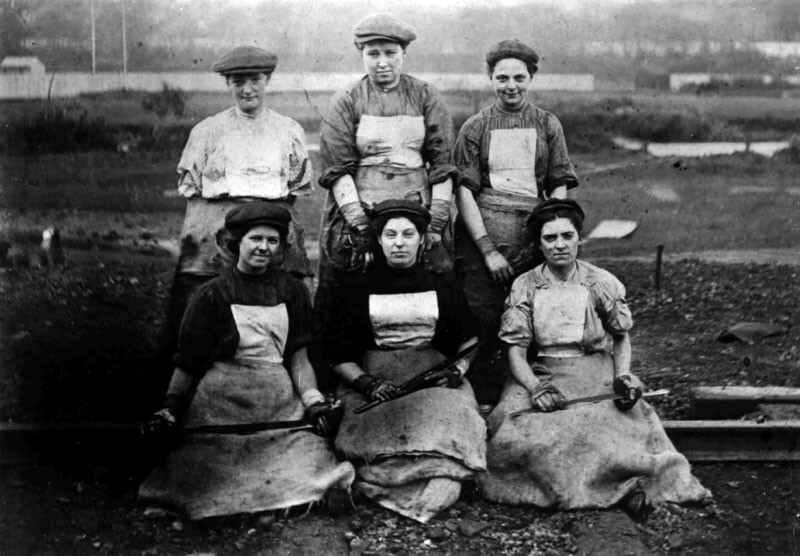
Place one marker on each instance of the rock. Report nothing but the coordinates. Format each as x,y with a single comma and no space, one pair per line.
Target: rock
266,521
451,525
358,546
471,528
153,551
177,525
356,524
438,534
675,542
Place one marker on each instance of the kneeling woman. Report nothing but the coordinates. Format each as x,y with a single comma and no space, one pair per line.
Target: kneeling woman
584,456
412,452
242,359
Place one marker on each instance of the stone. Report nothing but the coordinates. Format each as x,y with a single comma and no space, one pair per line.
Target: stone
437,534
471,528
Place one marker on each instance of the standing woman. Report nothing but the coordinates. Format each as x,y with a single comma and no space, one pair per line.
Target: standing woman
244,153
588,455
511,156
242,359
392,323
387,136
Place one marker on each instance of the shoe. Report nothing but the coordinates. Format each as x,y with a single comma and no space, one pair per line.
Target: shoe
635,504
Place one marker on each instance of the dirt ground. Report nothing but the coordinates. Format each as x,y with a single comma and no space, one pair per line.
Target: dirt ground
74,350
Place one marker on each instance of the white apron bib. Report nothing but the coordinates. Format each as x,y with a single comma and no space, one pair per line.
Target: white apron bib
251,165
262,331
403,321
559,316
512,161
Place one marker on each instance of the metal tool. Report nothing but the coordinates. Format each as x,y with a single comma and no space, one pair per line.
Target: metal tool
595,399
425,379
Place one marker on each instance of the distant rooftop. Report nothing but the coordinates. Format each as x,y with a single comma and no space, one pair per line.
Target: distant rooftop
20,62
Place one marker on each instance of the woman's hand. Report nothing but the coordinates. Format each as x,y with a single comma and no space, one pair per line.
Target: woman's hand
374,389
498,267
546,397
325,416
432,241
630,388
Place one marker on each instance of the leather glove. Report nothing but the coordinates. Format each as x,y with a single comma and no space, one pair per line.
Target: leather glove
374,388
362,244
454,378
546,397
325,416
630,390
161,430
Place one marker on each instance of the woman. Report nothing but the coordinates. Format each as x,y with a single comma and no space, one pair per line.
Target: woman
387,136
243,153
394,322
584,456
242,359
511,156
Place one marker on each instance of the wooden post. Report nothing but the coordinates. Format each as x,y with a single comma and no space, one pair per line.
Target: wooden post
659,258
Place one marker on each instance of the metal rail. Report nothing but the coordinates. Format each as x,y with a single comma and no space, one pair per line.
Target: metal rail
699,441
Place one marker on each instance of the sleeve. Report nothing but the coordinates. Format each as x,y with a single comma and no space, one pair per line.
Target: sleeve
346,338
467,154
298,303
337,145
456,323
559,166
207,332
611,305
437,149
193,160
300,172
517,322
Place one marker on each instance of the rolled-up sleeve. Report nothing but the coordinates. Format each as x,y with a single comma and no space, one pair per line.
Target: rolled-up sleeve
300,172
192,162
611,305
467,154
438,146
559,167
516,326
337,145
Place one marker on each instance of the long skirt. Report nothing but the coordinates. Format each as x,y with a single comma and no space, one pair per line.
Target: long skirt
411,453
585,456
222,474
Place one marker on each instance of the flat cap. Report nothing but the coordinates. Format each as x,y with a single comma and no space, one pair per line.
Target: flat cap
258,213
555,205
383,26
246,59
512,48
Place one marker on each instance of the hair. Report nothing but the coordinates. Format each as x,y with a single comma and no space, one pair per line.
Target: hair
360,45
537,221
380,222
532,66
234,237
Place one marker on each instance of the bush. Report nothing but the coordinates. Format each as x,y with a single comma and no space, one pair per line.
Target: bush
165,101
59,129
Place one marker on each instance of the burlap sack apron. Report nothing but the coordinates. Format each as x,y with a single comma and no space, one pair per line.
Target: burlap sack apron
586,456
238,171
412,452
391,167
221,474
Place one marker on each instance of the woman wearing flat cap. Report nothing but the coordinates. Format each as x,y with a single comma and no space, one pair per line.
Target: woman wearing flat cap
242,360
244,153
386,136
511,156
392,323
565,327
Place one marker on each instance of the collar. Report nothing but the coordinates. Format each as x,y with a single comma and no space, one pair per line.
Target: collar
499,106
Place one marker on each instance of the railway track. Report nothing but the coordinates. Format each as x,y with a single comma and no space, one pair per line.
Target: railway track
699,440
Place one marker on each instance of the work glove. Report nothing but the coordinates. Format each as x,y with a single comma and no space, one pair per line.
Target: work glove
629,389
450,378
374,388
362,245
325,416
161,430
546,397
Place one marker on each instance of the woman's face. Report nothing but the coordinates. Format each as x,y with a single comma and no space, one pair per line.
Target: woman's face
400,242
511,79
383,61
259,246
248,90
559,243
